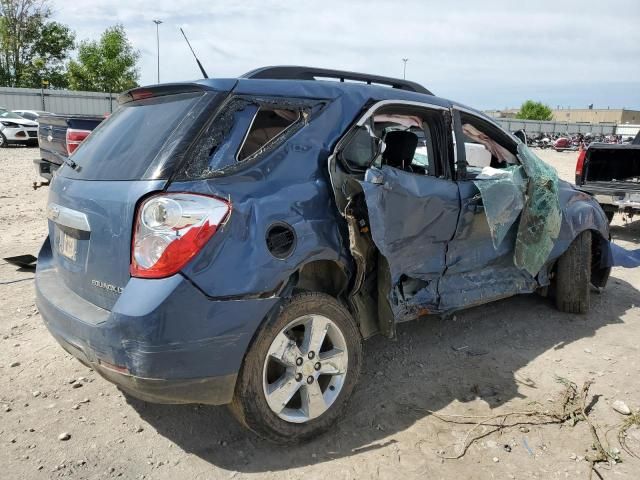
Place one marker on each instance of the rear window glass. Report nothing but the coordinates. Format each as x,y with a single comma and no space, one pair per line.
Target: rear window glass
125,146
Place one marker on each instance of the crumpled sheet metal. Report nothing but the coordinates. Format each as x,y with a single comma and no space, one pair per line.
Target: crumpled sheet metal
412,218
298,193
529,192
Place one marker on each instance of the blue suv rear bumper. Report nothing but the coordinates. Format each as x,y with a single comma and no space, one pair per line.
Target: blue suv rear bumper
164,341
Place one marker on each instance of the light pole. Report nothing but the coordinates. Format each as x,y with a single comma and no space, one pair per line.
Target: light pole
158,22
404,68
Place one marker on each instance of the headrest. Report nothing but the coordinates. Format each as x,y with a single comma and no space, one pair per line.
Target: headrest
400,148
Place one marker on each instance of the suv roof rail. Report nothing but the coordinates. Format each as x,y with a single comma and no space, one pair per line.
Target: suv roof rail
287,72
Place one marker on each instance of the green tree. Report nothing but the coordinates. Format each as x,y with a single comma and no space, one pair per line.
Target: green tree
33,48
531,110
106,65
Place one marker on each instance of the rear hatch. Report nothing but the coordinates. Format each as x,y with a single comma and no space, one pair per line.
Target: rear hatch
612,168
93,197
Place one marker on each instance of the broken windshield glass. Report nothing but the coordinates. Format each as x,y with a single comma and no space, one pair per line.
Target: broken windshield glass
529,192
502,192
541,217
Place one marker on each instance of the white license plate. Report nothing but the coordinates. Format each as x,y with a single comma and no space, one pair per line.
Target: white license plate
67,245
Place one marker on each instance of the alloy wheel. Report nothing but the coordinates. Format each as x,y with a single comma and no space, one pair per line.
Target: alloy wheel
305,368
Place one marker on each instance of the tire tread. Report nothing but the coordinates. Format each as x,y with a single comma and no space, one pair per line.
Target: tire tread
573,276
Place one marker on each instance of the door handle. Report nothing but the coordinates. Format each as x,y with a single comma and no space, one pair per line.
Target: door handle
475,204
476,200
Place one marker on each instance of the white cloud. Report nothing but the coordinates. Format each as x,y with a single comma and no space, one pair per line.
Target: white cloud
488,54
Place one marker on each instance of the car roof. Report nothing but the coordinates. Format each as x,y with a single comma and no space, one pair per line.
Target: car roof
323,89
327,89
330,89
355,89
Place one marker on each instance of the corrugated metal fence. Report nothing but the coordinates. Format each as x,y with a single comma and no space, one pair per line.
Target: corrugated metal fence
57,101
538,126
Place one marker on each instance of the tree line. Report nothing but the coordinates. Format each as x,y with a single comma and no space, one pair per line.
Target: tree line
37,51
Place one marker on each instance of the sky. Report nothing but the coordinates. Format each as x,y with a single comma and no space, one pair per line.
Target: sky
487,54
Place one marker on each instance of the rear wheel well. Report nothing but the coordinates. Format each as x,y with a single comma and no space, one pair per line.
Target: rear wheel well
324,276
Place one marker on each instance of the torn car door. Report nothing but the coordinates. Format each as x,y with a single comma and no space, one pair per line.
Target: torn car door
477,270
412,218
480,262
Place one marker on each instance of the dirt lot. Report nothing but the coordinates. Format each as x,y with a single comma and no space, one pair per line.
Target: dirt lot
495,358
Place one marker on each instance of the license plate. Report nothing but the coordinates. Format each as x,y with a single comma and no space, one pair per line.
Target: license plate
67,246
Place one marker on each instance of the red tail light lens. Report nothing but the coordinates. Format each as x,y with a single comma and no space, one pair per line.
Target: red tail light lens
171,229
580,163
75,138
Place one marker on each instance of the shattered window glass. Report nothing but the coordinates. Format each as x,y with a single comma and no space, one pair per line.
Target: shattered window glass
244,129
502,192
541,217
529,192
222,153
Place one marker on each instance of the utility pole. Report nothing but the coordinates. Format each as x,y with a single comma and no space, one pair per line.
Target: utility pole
404,68
158,22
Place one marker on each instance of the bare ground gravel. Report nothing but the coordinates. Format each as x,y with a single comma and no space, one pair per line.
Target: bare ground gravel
60,419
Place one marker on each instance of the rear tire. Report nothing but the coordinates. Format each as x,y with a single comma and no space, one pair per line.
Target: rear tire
254,407
573,276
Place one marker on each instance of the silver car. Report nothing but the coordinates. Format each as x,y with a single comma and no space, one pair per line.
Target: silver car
31,114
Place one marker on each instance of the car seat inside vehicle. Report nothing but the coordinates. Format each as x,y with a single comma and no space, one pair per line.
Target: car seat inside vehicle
400,149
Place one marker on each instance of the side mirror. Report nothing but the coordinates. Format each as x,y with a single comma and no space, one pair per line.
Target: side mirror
521,135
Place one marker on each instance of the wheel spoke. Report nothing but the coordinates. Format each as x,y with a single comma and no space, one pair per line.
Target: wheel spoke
284,350
314,333
280,392
333,362
313,403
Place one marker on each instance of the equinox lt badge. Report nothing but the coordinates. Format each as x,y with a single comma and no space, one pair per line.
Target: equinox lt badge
106,286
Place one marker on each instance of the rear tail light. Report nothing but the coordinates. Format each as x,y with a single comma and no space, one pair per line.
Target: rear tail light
74,138
171,229
580,163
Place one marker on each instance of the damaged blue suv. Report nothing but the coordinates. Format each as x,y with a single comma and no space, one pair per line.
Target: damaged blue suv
233,241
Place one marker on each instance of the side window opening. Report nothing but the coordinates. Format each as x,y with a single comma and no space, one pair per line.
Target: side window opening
415,140
485,146
411,140
267,124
